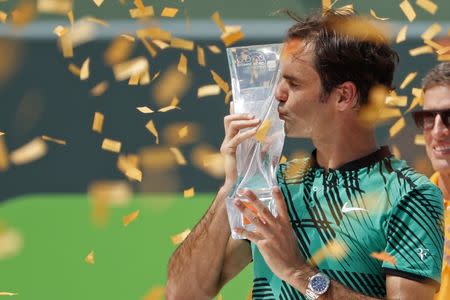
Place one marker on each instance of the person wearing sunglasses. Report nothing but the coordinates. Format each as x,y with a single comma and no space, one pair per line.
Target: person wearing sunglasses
434,121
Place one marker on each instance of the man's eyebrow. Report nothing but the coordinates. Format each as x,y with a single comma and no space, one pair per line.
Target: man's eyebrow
291,77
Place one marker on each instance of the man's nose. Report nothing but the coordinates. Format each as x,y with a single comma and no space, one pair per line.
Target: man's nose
281,91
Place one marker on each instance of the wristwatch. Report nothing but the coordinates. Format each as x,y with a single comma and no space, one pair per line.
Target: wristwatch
317,286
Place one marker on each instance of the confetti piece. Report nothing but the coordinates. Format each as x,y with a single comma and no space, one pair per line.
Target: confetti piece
97,21
111,145
201,56
182,64
182,44
29,152
161,45
384,256
228,97
433,44
427,5
169,12
263,130
417,92
89,259
149,47
334,249
178,156
388,113
443,50
208,90
179,238
220,82
137,13
419,140
139,4
126,69
118,51
97,125
326,5
60,30
431,31
408,79
74,70
231,37
214,49
155,33
157,292
54,140
395,129
144,78
408,10
208,160
3,16
443,57
66,45
396,100
71,18
128,37
189,193
183,132
24,13
174,102
416,101
4,160
84,72
216,18
420,50
98,2
99,89
134,79
401,36
144,110
151,127
373,14
171,84
283,159
60,7
7,294
130,218
168,108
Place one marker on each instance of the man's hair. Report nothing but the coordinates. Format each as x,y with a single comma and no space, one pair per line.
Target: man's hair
438,76
346,47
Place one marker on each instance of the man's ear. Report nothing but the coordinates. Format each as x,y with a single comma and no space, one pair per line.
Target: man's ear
347,97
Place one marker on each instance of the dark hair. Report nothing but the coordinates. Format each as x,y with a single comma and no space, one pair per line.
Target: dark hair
439,75
347,47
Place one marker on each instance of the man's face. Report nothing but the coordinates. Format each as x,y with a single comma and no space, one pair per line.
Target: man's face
437,139
299,93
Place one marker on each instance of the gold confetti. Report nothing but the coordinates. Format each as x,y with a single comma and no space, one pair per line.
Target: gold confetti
74,70
416,101
182,64
161,45
171,84
71,18
208,160
443,50
384,256
168,108
29,152
127,69
228,97
201,56
7,294
89,259
139,4
388,113
178,156
326,5
60,30
60,7
431,31
134,174
182,44
174,102
155,33
24,13
419,139
151,127
183,132
134,79
401,36
395,129
427,5
232,36
84,72
130,218
169,12
98,2
144,109
262,131
111,145
408,10
408,79
99,89
216,17
128,37
220,82
97,21
144,78
373,14
157,292
420,50
444,57
334,249
4,160
396,100
54,140
97,125
417,92
66,45
433,44
283,159
119,51
214,49
208,90
189,193
137,13
3,16
179,238
11,242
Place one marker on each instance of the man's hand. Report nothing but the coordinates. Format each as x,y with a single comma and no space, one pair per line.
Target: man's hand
274,236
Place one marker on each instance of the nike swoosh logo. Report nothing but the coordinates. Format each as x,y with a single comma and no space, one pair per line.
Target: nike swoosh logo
346,209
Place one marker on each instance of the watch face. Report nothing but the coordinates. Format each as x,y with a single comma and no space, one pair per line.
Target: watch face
319,284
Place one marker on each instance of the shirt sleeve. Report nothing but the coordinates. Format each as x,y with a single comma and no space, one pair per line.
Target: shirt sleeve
414,235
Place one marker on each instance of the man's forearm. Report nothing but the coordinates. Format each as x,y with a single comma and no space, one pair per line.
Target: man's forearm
196,265
336,290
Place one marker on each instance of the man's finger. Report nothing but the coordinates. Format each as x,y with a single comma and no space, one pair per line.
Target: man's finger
251,236
281,204
262,209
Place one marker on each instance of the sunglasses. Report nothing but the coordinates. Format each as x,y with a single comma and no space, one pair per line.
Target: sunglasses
424,119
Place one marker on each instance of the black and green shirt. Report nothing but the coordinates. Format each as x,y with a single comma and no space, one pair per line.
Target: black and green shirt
371,205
